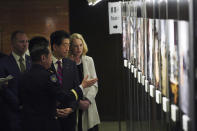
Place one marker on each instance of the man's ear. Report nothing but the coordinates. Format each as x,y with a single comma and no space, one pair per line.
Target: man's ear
43,58
54,47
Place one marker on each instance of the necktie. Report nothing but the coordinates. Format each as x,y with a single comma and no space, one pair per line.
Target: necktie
59,72
22,66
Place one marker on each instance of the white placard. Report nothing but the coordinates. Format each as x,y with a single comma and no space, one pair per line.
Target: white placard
132,68
146,86
143,80
129,65
174,112
152,90
158,97
115,18
125,63
135,72
185,122
139,76
165,104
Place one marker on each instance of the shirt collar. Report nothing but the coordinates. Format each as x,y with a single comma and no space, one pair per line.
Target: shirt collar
17,57
55,59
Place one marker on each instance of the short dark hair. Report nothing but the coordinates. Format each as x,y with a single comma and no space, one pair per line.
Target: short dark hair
57,37
13,35
38,46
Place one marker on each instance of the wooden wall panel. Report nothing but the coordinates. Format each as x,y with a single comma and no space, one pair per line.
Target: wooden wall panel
36,17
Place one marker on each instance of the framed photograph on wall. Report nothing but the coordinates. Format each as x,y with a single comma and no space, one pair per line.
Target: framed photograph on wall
146,47
124,26
164,58
150,48
142,29
173,61
139,42
132,30
183,40
157,54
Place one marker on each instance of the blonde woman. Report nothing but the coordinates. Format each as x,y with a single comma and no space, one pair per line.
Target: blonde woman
88,118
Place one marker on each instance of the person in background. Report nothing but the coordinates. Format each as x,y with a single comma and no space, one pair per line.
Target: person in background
15,64
88,119
40,90
1,102
66,72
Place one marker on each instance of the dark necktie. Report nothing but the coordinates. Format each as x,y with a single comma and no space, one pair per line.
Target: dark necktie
59,72
22,66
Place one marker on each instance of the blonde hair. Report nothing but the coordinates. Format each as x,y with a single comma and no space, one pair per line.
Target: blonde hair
78,36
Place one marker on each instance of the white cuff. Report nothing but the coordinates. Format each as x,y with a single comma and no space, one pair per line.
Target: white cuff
81,87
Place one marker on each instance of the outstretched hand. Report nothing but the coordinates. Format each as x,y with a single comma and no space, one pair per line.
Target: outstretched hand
87,83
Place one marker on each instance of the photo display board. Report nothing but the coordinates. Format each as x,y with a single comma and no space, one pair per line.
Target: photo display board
159,48
156,40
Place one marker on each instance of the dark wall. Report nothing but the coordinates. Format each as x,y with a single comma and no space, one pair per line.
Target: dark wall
92,23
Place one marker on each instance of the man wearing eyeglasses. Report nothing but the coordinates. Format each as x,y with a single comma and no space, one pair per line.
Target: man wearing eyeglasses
15,64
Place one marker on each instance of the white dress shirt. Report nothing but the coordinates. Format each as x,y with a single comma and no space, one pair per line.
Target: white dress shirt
17,57
54,59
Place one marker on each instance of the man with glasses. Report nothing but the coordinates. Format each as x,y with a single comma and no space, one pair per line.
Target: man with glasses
15,64
67,74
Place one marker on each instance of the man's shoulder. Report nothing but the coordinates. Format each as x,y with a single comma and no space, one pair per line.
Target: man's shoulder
27,57
5,60
66,60
37,76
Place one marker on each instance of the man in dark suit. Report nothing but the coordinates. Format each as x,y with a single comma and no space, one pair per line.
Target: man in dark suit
40,90
67,75
14,64
1,101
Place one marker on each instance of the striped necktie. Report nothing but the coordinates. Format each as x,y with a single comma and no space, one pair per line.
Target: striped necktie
22,66
59,72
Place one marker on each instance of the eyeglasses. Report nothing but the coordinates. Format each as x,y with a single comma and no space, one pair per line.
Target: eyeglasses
23,41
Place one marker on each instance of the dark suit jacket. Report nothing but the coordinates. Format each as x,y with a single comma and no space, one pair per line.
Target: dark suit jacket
9,94
2,128
2,55
40,91
70,81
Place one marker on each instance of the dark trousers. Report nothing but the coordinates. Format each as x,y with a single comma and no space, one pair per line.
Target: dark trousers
95,128
67,124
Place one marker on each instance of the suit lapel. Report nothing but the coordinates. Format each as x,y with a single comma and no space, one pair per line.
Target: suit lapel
28,63
65,67
52,68
66,72
14,64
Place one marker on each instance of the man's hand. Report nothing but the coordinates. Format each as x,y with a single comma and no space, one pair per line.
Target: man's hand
64,112
4,83
87,83
84,104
